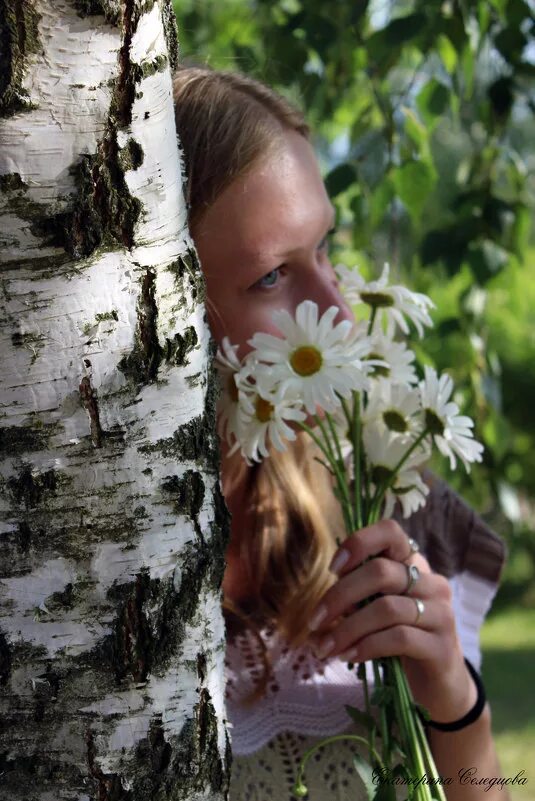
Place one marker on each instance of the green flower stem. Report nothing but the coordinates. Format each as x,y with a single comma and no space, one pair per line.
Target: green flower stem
336,738
382,716
340,479
372,320
341,473
423,758
335,437
368,707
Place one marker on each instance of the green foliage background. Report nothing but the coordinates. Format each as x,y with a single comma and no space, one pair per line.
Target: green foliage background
423,119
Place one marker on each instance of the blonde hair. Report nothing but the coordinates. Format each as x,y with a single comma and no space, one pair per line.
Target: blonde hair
227,123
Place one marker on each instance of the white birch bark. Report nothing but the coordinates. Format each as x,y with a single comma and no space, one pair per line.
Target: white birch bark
112,529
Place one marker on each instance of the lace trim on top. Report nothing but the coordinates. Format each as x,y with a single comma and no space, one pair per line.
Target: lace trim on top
304,694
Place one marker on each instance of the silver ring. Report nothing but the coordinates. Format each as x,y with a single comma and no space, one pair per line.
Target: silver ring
420,609
413,574
413,548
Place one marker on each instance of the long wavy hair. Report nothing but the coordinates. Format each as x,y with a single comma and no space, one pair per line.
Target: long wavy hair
227,123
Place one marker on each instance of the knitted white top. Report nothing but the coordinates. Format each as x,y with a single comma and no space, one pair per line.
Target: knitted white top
304,703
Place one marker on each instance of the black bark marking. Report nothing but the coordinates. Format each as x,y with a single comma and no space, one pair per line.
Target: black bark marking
188,266
194,441
102,214
110,10
186,494
15,440
108,786
155,752
89,401
220,538
45,690
142,364
19,36
28,489
132,651
12,182
171,33
5,660
131,156
197,759
176,349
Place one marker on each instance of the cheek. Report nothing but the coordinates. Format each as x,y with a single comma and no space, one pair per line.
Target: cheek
240,326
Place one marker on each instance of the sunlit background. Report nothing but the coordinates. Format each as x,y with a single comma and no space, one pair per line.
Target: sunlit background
423,117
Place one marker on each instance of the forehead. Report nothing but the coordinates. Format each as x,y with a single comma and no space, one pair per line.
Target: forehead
278,205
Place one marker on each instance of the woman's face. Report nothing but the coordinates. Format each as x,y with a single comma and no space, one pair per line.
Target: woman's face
263,245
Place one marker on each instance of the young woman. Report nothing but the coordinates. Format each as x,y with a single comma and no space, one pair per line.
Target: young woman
260,219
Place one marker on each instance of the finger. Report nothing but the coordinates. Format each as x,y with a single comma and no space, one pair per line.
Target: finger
382,614
385,537
378,575
402,640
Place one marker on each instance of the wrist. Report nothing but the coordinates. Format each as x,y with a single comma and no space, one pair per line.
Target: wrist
447,695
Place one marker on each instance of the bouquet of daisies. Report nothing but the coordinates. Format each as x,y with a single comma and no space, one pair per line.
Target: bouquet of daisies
354,389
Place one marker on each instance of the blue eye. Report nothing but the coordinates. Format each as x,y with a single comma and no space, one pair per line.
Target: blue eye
326,239
270,279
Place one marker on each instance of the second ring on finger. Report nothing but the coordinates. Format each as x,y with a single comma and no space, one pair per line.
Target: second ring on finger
382,613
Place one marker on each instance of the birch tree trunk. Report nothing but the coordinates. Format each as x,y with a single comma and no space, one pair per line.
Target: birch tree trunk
112,527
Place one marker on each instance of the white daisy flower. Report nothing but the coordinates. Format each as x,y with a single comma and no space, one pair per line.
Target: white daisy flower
234,380
228,410
396,357
396,303
451,431
263,419
396,406
314,359
384,451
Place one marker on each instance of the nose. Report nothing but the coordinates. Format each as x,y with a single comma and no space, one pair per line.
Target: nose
325,291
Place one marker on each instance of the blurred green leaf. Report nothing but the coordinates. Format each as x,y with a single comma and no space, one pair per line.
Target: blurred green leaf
414,182
432,101
340,179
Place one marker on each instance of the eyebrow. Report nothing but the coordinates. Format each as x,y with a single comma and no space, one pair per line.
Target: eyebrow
326,227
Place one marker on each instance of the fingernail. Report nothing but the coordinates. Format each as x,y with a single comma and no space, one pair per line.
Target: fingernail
325,647
339,561
350,655
316,619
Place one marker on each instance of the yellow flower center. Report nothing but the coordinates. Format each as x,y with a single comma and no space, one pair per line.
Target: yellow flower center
377,369
232,388
263,409
306,360
433,423
395,421
377,299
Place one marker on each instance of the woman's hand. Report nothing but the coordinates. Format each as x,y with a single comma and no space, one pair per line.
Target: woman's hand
391,624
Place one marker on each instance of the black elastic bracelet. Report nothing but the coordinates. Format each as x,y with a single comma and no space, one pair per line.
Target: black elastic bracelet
472,714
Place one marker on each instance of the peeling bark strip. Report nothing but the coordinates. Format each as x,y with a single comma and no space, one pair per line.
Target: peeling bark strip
89,401
111,558
19,38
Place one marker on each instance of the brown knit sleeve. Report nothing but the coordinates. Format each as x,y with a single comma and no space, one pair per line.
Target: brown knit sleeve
452,537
